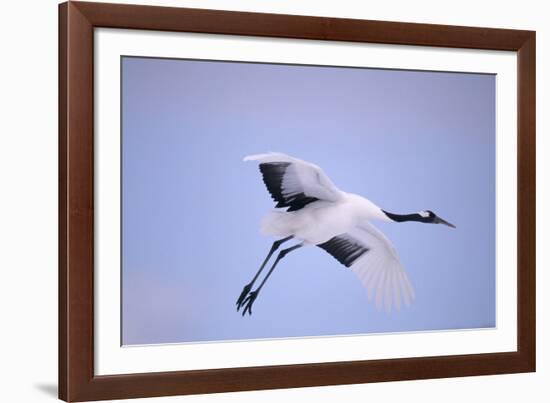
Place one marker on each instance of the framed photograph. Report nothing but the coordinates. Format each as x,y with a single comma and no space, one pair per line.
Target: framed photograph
255,201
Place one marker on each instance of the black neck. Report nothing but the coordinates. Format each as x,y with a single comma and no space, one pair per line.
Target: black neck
404,217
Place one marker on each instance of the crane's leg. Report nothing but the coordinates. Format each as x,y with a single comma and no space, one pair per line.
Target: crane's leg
247,287
249,300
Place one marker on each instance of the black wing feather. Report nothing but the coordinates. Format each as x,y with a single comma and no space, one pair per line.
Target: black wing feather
344,249
273,174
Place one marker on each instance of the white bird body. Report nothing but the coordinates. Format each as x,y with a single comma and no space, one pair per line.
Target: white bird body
321,214
322,220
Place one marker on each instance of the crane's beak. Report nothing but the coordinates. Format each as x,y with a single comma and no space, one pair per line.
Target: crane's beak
438,220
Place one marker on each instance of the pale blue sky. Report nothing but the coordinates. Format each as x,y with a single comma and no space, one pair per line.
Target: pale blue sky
191,208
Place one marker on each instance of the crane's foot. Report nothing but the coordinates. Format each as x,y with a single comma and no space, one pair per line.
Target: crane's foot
248,301
243,295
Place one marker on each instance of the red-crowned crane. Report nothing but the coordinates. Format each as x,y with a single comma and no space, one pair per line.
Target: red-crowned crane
318,213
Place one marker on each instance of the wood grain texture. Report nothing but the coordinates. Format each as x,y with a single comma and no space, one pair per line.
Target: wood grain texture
77,21
76,209
292,26
527,200
63,320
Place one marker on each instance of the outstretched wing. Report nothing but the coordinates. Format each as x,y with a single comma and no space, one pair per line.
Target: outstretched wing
373,258
294,183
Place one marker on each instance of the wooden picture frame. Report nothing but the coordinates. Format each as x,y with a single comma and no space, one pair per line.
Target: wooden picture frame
77,381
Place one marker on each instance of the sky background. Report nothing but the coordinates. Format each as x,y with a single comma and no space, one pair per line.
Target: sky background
191,208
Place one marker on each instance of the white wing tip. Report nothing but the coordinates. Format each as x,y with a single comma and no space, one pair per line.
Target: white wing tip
259,157
256,157
389,299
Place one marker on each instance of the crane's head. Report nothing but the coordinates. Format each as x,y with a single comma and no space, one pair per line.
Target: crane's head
429,217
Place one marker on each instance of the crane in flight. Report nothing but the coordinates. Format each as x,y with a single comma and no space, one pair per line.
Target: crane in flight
318,213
